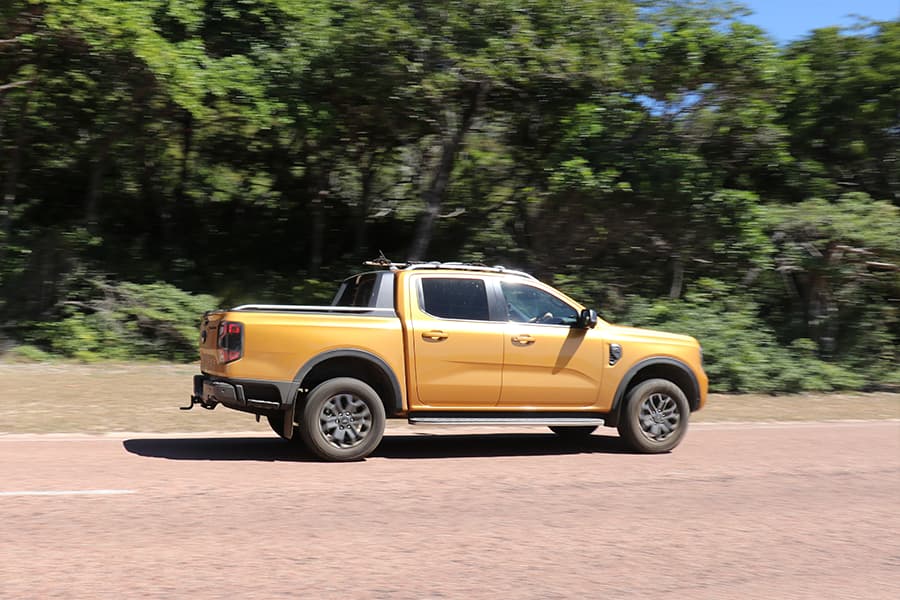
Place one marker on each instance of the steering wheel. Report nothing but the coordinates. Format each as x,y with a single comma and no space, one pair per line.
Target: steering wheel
515,314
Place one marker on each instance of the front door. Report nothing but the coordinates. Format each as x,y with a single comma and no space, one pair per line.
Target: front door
548,363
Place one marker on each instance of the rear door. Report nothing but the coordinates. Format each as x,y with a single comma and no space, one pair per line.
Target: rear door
548,363
457,341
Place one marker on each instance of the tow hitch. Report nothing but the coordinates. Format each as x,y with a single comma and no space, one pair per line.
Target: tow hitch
197,400
202,396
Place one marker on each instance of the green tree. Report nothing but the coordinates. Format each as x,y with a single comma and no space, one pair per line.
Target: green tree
843,110
838,264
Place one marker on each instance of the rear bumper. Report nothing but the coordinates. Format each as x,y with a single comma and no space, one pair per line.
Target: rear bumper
253,396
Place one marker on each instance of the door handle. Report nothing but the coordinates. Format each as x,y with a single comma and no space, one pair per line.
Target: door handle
523,339
434,336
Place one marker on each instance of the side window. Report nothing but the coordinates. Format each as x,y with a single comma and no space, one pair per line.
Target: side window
356,291
526,304
454,298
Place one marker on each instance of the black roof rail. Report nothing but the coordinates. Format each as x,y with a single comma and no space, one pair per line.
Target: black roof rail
437,265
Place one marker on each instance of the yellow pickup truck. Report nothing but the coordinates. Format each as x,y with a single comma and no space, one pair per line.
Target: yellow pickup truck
446,343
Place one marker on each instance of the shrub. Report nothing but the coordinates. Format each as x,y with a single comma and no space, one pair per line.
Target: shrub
123,321
26,353
741,354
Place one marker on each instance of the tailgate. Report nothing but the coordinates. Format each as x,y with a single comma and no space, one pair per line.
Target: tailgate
209,327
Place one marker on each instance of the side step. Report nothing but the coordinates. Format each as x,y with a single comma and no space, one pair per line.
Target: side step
519,420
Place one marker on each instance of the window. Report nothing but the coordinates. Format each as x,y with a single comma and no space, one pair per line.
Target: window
357,291
454,298
526,304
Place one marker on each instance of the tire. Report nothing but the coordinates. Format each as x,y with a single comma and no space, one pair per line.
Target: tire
343,420
276,422
570,432
655,417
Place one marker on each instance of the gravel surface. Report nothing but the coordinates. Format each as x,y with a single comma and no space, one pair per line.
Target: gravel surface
795,510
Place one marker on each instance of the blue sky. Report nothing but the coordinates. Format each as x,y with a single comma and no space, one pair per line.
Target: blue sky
788,20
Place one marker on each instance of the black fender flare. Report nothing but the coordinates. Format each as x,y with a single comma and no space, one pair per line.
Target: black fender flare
395,406
693,394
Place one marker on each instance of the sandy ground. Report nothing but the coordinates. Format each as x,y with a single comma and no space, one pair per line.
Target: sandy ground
101,398
767,497
791,510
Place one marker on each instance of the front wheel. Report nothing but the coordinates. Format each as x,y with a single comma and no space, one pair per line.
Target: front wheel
343,420
655,416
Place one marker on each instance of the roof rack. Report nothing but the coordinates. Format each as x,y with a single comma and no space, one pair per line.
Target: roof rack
458,266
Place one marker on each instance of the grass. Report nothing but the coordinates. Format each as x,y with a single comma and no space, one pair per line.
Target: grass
68,397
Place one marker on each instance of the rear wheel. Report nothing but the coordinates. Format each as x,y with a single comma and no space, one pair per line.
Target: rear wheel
569,432
343,420
276,422
655,416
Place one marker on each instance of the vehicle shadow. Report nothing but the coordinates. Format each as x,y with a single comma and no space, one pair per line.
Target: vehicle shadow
508,444
404,447
220,449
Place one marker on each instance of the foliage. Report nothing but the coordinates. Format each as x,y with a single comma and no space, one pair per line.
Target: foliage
740,353
627,150
123,321
838,263
27,353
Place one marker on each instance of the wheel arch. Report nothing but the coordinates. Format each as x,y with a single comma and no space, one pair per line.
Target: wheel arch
661,367
362,365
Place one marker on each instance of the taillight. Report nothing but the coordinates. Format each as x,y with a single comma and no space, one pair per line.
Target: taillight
230,341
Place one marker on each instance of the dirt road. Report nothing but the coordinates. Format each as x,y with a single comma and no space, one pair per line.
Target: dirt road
801,510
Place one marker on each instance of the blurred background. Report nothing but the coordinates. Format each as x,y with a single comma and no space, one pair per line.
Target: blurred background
692,166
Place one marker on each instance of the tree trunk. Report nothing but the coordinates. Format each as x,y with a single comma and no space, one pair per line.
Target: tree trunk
4,211
677,277
433,195
317,237
823,310
171,208
13,165
362,213
187,137
151,215
95,182
166,221
2,123
180,211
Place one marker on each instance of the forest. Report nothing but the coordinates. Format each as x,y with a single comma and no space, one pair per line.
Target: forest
663,162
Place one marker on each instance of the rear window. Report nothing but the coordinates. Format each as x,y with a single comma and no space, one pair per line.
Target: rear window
357,291
455,298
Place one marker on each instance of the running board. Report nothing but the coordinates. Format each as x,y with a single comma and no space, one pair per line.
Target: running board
552,421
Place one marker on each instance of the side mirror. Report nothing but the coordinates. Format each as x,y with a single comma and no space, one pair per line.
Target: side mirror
587,319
